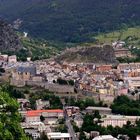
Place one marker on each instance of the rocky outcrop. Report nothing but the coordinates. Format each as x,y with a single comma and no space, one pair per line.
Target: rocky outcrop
9,41
95,54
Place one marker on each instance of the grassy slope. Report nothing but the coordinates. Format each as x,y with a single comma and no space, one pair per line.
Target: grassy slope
39,48
131,36
36,48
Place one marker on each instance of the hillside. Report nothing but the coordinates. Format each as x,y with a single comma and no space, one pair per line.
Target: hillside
9,41
130,35
71,20
36,48
93,54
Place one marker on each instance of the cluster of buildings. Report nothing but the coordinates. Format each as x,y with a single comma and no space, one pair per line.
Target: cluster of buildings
4,59
104,82
86,76
107,118
90,79
45,121
41,121
121,51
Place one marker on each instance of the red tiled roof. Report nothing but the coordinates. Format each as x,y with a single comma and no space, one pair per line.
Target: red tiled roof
39,112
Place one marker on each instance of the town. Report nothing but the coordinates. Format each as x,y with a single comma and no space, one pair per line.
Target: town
96,86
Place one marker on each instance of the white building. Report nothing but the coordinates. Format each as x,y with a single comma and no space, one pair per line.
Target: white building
4,58
34,115
118,120
58,135
36,125
102,110
33,132
28,59
40,104
138,137
105,137
51,77
133,82
79,121
12,59
25,34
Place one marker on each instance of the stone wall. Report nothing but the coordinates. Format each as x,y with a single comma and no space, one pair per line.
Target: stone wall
18,83
52,87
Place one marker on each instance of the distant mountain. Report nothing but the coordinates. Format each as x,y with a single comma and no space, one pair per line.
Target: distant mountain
71,20
9,41
91,54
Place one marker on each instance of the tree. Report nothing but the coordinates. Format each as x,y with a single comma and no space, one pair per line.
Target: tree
82,136
96,114
62,128
2,70
71,82
43,137
42,119
62,82
9,118
125,106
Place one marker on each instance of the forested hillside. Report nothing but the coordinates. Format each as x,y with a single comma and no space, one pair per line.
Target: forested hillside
71,20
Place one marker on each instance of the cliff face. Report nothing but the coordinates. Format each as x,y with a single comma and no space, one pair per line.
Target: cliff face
95,54
9,41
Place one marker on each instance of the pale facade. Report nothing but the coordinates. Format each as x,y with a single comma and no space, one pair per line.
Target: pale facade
59,135
118,120
34,115
12,59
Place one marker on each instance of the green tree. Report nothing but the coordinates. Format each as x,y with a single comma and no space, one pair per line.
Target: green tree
43,137
9,118
125,106
42,119
82,136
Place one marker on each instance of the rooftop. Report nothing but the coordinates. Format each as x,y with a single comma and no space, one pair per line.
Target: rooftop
38,112
98,108
58,135
105,137
121,117
30,69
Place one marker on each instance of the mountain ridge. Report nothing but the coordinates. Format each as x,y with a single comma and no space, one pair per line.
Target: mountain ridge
71,21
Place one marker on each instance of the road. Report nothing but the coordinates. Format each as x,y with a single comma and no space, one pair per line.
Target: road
68,123
70,129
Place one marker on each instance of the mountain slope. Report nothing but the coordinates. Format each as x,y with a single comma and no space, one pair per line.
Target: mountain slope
9,41
71,20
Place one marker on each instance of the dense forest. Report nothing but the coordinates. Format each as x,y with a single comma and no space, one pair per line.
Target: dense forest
71,20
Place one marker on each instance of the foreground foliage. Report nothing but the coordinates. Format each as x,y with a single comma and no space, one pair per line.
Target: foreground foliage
9,118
